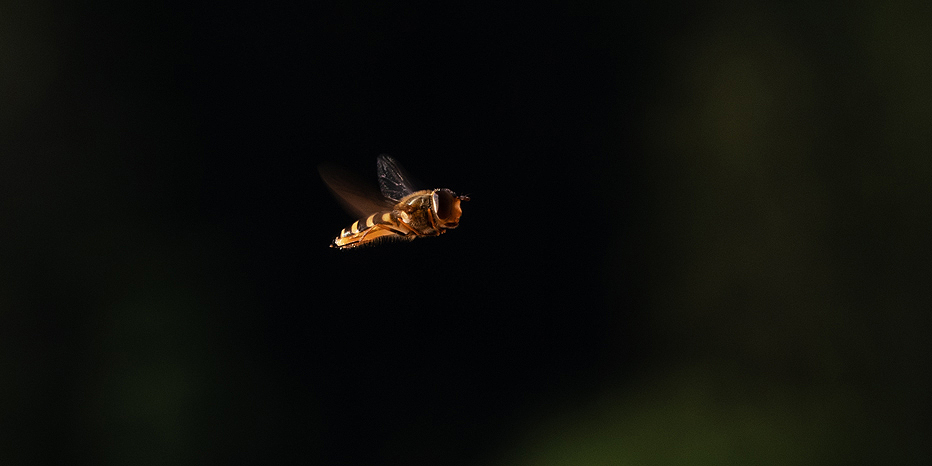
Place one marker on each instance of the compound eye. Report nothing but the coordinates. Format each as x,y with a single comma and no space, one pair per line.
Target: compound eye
443,203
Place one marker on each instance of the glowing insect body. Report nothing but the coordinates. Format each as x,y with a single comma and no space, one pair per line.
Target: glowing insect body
401,214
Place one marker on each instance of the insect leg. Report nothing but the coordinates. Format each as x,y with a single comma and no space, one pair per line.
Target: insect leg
409,228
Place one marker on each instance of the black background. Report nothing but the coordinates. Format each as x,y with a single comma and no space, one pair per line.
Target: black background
696,234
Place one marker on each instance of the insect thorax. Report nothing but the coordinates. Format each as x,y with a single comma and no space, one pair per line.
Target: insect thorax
420,215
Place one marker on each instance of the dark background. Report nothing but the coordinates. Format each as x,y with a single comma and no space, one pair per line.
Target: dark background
697,235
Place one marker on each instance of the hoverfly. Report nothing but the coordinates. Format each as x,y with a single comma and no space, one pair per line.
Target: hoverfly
400,213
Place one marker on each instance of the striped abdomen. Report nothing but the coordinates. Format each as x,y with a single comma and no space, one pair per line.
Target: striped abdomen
381,225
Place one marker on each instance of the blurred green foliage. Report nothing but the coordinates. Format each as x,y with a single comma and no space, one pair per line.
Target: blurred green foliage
789,159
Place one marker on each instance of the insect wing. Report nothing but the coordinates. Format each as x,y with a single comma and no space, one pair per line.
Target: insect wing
357,197
393,180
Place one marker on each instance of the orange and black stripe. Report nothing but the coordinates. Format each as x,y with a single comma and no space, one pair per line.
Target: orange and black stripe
381,225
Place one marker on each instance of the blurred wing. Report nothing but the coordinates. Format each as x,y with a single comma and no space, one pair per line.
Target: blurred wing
393,180
356,197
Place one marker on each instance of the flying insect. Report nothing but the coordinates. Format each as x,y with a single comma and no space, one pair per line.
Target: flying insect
399,213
